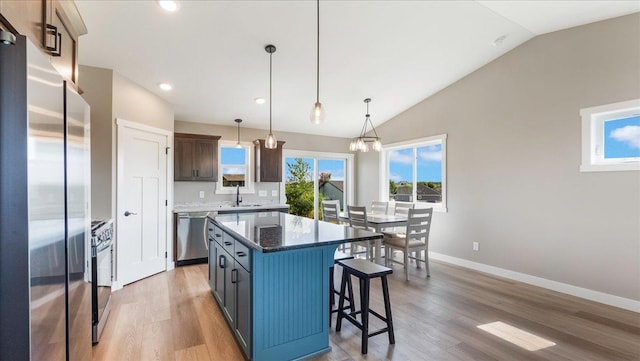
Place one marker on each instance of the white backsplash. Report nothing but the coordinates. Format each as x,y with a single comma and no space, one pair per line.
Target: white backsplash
189,192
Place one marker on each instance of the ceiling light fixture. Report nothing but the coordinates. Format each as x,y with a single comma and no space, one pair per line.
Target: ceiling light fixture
7,38
317,111
360,143
259,100
165,86
169,5
238,121
270,142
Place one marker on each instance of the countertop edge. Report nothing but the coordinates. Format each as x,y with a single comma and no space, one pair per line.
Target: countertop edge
256,247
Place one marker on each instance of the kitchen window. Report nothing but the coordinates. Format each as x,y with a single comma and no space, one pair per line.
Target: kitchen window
415,171
235,167
611,137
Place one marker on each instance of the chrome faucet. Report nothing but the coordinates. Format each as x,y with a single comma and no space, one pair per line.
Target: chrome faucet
238,198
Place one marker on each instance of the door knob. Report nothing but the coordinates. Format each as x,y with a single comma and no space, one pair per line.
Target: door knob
127,214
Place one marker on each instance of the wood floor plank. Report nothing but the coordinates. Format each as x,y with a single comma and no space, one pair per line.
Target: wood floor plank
157,342
174,316
195,353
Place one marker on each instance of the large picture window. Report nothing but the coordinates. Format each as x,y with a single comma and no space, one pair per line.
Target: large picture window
415,172
611,137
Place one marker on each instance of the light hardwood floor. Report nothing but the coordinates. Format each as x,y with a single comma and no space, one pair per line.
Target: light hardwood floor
173,316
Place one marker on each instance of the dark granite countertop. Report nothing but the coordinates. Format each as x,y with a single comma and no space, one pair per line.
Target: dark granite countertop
277,231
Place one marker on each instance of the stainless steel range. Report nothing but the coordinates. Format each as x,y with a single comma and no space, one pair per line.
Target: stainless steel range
101,274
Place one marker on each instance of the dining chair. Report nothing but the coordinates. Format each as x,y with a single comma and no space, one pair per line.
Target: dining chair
330,210
379,207
414,239
358,219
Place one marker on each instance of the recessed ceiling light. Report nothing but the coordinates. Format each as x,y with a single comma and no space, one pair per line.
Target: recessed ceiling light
165,86
259,100
169,5
499,40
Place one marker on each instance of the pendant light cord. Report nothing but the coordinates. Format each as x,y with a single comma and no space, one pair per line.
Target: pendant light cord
270,77
318,52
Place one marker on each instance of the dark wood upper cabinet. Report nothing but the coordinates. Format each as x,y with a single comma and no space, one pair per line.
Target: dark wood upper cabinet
195,157
268,162
52,25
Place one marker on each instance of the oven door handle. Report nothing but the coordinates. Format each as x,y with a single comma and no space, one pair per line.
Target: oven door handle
102,246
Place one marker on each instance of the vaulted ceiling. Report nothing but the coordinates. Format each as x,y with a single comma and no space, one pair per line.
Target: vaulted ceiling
395,52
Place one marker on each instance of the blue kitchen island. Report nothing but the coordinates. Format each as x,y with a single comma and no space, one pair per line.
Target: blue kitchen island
269,273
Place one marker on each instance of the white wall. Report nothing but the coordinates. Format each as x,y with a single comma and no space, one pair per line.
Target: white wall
513,151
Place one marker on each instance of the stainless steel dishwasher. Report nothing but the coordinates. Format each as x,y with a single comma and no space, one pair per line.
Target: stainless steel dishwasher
192,243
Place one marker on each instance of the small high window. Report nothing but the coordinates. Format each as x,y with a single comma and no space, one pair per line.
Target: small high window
234,169
611,137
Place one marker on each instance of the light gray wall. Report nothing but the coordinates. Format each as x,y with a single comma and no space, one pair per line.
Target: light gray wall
97,91
134,103
513,152
189,191
112,96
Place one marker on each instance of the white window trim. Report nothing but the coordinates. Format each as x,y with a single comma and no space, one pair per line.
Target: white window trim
292,153
249,183
384,175
593,140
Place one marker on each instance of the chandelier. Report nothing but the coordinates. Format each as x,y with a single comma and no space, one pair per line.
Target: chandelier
361,143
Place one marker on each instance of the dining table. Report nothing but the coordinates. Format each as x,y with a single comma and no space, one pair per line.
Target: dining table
379,221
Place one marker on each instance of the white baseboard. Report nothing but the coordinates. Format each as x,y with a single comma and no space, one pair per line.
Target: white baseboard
616,301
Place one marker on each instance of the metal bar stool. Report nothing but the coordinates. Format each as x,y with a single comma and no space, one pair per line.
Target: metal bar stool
365,271
339,256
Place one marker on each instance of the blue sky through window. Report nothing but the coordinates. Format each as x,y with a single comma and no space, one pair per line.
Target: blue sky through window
232,155
622,138
429,164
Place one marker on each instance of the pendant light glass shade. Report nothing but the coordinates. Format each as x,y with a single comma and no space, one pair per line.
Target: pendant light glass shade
361,143
318,114
270,142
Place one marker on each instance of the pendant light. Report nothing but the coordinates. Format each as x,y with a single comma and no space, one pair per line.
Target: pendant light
270,142
317,111
238,121
361,142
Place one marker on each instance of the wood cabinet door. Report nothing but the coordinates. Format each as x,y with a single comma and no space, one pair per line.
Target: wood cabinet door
65,63
268,162
26,17
183,164
206,160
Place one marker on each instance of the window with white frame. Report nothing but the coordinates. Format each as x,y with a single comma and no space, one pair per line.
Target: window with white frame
234,167
611,137
415,171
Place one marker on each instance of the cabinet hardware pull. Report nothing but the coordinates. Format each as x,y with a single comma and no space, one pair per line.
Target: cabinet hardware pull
52,30
218,235
210,229
227,243
222,261
234,276
241,254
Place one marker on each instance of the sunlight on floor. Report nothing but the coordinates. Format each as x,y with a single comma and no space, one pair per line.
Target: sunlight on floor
516,336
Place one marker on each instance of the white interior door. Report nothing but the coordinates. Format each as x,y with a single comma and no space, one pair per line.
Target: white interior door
142,191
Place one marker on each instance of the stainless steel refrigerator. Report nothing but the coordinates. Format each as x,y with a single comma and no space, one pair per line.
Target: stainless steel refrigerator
45,298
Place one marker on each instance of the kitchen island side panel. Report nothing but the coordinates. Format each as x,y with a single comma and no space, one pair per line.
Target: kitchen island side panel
291,303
